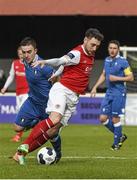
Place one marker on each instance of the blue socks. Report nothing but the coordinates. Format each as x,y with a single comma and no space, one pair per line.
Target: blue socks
117,133
56,143
109,125
114,128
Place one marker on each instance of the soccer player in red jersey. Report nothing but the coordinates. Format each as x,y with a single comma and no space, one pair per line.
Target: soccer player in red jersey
17,72
75,67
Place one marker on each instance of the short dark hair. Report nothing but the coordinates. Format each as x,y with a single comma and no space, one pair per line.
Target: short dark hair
114,42
28,41
93,32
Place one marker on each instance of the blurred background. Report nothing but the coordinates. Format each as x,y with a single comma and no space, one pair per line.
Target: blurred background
59,25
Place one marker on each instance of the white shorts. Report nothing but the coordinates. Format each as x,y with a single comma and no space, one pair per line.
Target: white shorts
63,101
20,100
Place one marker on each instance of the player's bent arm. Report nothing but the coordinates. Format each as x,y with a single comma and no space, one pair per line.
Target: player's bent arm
129,73
10,78
130,77
55,76
127,78
59,71
100,80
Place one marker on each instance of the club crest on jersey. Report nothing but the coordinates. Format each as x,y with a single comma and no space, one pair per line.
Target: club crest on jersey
22,120
35,72
57,106
87,70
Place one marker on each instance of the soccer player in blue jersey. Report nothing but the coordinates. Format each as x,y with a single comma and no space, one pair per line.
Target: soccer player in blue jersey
116,72
33,109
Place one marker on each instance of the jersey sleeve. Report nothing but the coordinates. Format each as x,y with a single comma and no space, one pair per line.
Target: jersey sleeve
10,77
73,58
127,69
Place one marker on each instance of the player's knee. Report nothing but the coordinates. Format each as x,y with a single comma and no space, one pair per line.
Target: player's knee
103,118
17,128
115,120
55,117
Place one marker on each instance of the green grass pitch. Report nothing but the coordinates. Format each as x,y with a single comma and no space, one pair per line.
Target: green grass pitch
86,155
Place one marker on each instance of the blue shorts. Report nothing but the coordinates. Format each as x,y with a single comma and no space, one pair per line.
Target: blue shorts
31,113
113,104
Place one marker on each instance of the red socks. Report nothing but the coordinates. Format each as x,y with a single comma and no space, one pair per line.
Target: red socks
38,135
20,133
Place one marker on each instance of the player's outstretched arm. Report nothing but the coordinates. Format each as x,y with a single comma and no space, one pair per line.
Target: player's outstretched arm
52,62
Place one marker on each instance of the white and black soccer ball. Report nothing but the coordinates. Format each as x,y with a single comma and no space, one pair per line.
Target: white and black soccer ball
46,155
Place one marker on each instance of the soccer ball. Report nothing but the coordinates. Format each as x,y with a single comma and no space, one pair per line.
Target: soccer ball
46,155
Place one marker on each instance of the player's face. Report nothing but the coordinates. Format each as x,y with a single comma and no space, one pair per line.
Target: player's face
91,45
28,53
113,50
20,54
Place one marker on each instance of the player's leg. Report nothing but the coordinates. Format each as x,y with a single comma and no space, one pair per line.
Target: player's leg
27,117
105,115
56,143
122,111
56,107
72,100
19,102
18,136
117,132
118,109
107,122
46,129
35,140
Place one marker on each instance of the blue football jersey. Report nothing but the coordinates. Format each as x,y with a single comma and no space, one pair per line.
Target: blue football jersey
115,67
37,78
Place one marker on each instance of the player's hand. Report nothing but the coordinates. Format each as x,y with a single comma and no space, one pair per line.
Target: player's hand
113,78
38,63
3,90
93,92
52,78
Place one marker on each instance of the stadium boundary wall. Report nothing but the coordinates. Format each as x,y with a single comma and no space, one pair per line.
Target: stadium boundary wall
87,112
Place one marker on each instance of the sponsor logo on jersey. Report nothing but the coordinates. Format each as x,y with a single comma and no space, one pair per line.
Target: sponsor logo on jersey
71,55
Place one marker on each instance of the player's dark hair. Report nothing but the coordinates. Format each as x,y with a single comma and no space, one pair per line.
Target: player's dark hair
114,42
28,41
93,32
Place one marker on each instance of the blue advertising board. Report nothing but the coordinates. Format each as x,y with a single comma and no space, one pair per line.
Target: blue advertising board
7,109
87,111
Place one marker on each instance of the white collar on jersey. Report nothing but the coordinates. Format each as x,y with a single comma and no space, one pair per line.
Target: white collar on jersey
84,50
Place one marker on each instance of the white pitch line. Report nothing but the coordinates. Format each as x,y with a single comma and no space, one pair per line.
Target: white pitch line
84,157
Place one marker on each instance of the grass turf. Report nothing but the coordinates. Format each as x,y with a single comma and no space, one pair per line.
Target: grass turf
86,155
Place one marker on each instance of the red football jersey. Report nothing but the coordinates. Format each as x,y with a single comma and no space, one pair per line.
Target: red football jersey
20,78
76,77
